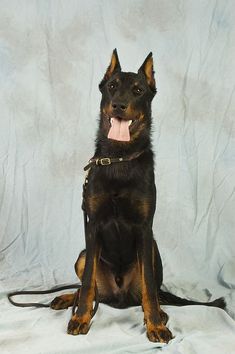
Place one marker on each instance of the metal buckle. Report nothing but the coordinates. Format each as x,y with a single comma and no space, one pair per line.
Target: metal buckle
105,161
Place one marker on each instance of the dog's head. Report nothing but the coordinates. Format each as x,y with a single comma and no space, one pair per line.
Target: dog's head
126,100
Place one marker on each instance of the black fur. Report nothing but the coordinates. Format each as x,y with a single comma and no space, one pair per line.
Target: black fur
120,201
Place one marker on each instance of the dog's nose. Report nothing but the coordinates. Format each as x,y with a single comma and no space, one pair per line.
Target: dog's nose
121,106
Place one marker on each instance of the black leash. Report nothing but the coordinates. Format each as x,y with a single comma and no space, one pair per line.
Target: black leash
92,162
51,291
38,292
58,288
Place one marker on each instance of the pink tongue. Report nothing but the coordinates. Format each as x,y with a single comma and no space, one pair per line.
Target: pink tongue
119,130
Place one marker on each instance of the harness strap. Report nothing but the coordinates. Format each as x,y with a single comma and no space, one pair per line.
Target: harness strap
104,161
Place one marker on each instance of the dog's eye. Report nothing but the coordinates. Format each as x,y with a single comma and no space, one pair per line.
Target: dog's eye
112,85
138,90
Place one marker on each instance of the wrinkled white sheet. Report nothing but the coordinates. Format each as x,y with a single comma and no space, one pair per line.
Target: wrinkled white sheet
52,56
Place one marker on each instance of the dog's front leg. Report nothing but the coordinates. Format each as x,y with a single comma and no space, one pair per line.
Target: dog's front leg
156,329
80,321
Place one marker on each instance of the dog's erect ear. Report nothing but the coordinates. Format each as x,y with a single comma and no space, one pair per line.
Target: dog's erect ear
147,69
113,67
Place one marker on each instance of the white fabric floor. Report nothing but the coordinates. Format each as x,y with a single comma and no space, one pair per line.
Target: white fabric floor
52,56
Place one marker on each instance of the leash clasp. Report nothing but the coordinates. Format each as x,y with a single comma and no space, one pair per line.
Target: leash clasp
105,161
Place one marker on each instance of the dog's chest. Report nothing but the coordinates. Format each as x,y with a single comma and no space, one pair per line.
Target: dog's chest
110,197
109,204
129,206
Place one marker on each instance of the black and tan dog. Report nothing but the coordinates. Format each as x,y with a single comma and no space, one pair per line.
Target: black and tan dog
121,257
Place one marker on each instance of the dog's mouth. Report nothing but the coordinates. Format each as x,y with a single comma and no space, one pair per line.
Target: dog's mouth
120,128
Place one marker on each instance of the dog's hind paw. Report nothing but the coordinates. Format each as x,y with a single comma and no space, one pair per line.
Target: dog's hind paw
62,302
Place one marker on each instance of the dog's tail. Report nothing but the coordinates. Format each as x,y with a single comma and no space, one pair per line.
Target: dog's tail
170,299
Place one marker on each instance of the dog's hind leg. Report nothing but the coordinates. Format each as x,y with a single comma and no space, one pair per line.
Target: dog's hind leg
67,300
105,279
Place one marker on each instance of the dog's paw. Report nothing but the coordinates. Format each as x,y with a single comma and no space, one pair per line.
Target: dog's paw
77,326
159,334
62,302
